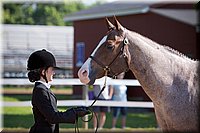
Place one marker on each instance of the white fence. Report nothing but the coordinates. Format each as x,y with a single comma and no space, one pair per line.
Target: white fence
86,101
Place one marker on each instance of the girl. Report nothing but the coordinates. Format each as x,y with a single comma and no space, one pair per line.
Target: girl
41,65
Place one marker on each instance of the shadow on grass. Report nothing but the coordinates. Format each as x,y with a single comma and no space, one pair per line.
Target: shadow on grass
24,121
134,120
17,121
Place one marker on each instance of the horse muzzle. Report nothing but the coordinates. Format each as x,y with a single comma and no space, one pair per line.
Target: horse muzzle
83,75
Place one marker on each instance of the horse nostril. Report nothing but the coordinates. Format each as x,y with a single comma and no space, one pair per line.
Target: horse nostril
85,73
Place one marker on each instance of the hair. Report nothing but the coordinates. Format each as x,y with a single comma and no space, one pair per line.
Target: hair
34,75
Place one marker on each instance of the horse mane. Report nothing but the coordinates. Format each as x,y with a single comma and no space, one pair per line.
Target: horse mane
167,48
176,52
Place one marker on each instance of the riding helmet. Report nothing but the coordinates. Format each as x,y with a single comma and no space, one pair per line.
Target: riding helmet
40,59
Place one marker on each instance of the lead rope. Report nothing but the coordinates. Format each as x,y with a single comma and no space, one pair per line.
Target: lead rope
106,69
104,86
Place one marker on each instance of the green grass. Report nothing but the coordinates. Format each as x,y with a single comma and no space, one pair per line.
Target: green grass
8,98
16,97
12,87
21,117
27,97
15,117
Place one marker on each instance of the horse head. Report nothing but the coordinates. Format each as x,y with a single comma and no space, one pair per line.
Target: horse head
111,56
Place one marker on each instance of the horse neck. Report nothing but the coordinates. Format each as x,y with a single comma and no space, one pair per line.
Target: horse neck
152,65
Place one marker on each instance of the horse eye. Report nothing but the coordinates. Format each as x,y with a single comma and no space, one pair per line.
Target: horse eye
110,46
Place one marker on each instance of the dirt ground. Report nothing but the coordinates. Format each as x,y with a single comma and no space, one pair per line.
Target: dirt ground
90,131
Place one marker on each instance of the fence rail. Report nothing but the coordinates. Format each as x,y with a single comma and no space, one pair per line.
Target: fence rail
86,103
74,81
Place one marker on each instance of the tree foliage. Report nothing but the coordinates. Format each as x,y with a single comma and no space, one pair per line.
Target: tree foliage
40,13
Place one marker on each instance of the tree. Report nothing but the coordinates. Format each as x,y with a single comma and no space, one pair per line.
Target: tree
40,14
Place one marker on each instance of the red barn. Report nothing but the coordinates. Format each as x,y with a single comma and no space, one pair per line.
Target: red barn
171,24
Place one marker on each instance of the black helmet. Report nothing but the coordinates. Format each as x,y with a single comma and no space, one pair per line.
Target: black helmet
39,59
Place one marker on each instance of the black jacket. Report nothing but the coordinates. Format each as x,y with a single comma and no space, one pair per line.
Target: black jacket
45,111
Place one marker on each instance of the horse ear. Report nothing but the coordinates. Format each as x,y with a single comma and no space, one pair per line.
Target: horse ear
117,24
109,25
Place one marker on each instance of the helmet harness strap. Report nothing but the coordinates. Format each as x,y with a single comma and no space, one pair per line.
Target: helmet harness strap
44,75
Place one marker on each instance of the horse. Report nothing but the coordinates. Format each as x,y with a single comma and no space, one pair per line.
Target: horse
169,78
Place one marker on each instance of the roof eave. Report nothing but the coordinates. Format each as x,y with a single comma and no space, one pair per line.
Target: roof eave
191,21
107,14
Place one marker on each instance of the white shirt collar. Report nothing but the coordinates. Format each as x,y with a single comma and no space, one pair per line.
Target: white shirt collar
46,84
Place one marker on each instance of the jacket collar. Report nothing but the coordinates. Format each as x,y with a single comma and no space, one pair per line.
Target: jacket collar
44,83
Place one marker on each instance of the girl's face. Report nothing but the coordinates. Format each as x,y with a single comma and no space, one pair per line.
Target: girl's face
49,74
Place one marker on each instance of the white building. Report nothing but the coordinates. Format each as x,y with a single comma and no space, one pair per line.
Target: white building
19,41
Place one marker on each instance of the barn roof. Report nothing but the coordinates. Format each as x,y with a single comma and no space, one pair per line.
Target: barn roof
187,16
118,8
183,12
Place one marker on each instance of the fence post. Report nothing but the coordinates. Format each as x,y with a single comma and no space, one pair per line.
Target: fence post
86,98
